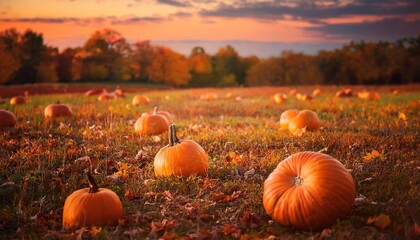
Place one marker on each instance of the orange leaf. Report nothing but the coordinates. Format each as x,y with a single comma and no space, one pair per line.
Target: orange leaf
376,153
381,221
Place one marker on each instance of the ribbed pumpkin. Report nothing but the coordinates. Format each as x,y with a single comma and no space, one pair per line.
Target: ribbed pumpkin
57,110
280,98
309,191
165,114
7,119
17,100
180,158
139,100
151,123
286,117
92,206
305,118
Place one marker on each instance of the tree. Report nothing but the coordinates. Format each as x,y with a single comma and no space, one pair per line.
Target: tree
46,70
201,68
227,62
106,57
169,67
9,63
265,73
142,59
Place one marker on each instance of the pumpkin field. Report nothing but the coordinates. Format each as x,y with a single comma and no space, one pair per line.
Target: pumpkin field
234,138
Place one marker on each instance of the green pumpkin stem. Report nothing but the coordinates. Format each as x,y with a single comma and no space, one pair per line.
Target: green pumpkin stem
155,109
93,187
173,140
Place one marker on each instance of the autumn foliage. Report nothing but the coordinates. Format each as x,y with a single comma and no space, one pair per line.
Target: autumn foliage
107,56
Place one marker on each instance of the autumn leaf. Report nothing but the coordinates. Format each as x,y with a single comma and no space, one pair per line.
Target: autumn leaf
123,170
381,221
371,155
402,116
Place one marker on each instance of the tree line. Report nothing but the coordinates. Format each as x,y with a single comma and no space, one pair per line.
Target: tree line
106,56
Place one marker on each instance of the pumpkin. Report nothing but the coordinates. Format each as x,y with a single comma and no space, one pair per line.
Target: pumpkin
209,96
165,114
93,92
92,206
286,117
303,97
180,158
152,123
139,100
309,191
57,110
347,92
106,96
119,93
316,92
368,95
280,98
7,119
17,100
305,119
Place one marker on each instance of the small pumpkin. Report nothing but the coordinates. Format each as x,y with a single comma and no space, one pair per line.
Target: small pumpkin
93,92
92,206
347,92
106,96
316,92
152,123
57,110
209,96
17,100
165,114
303,96
7,119
368,95
139,100
280,98
309,191
305,119
180,158
286,117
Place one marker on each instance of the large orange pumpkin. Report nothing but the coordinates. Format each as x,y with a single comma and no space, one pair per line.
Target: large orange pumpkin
152,123
92,207
286,117
180,158
305,119
57,110
309,191
7,119
17,100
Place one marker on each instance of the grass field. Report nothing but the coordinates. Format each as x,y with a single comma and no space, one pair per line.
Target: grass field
43,161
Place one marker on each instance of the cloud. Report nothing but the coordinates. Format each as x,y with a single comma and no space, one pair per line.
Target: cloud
93,20
175,3
313,10
387,29
134,20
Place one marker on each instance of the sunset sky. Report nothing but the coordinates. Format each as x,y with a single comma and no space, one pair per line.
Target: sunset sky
259,27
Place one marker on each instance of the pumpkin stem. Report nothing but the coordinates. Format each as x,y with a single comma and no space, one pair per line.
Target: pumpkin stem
173,140
155,109
93,187
297,181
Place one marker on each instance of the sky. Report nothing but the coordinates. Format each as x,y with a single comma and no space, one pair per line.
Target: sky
253,27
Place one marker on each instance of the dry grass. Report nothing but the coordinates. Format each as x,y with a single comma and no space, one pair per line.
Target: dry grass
39,159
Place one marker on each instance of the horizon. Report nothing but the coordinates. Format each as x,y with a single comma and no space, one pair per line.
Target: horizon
255,27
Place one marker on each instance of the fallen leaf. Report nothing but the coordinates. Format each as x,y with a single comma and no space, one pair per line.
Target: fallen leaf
381,221
402,116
